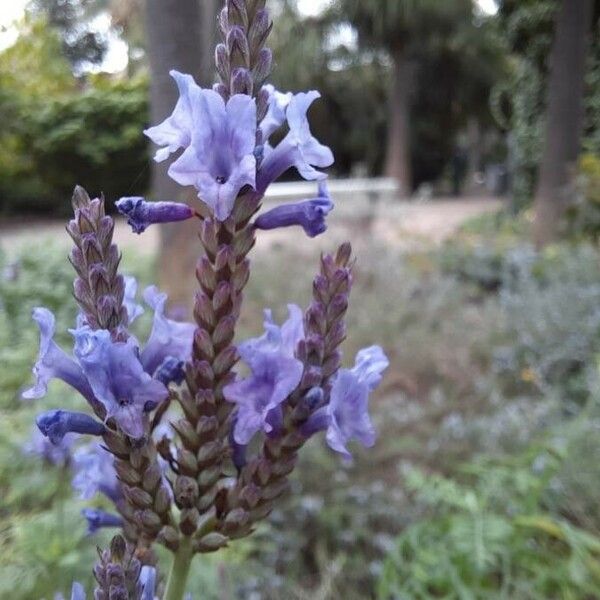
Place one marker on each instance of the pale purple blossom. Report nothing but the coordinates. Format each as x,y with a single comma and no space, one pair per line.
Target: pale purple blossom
275,117
100,519
94,472
175,132
168,338
134,310
309,214
220,160
346,416
141,214
56,424
298,149
54,363
55,454
275,374
118,379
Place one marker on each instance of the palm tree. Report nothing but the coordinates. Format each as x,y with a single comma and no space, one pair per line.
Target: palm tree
397,27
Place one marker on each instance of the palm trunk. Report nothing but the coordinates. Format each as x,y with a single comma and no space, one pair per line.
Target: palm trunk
398,148
177,39
564,117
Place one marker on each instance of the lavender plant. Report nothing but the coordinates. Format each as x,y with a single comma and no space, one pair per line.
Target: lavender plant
190,453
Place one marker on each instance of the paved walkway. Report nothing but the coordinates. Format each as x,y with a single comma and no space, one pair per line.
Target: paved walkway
404,224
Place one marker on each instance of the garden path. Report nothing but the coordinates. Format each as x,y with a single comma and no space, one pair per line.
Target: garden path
405,224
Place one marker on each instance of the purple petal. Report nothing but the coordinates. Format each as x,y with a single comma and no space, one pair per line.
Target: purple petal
100,519
348,405
56,454
148,581
53,363
168,338
275,117
118,379
370,364
175,132
309,214
94,472
55,424
77,591
220,160
134,310
141,214
298,149
348,412
275,374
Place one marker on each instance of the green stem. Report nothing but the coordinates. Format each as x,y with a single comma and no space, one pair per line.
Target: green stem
182,561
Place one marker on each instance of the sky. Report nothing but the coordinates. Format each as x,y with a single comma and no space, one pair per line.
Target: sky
116,59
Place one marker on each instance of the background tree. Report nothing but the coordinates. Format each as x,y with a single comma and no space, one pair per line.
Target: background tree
398,27
81,43
175,41
564,117
436,56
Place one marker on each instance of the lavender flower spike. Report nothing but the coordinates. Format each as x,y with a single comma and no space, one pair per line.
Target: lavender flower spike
55,424
298,149
141,214
220,160
309,214
346,416
175,132
118,378
52,362
275,374
100,519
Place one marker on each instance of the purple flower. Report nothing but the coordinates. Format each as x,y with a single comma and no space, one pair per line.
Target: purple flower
220,159
168,338
117,378
298,149
55,454
275,374
77,591
275,117
100,519
346,417
309,214
95,472
134,310
55,424
175,132
148,581
141,214
53,363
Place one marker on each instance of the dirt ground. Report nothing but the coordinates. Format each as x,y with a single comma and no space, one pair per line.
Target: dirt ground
405,224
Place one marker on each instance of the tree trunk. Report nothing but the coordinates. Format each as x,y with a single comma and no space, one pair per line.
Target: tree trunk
564,117
177,33
398,147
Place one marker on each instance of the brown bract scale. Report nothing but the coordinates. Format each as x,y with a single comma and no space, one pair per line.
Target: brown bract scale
222,273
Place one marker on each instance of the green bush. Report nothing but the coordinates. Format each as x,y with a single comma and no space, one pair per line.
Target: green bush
92,138
491,535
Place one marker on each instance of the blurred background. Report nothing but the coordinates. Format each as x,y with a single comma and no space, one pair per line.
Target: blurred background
467,175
